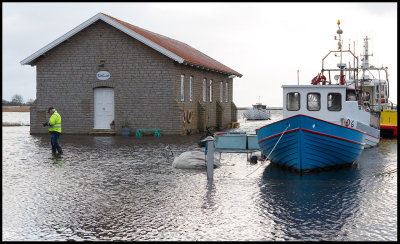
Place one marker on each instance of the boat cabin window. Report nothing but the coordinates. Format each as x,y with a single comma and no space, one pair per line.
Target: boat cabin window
368,96
334,102
313,101
293,101
383,93
351,95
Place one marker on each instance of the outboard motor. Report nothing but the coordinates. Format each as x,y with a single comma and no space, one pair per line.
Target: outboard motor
253,159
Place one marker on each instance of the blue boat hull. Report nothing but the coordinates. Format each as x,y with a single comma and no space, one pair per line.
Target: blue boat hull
309,143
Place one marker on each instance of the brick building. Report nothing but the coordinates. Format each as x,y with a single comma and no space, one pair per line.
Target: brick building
106,72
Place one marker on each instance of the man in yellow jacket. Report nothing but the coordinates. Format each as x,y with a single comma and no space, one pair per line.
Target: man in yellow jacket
54,124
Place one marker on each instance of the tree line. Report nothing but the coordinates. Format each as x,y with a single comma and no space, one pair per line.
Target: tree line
17,100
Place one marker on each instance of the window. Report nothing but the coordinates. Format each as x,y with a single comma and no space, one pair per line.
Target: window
368,96
383,95
226,92
204,89
351,95
293,101
191,88
221,92
182,88
313,101
211,90
334,101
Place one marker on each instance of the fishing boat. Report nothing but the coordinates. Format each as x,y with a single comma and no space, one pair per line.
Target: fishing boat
328,123
257,112
389,122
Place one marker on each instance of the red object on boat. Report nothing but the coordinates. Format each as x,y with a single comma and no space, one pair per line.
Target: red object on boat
316,79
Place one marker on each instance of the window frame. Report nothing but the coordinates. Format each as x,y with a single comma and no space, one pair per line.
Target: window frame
191,88
319,101
204,89
227,92
298,102
327,104
211,90
351,94
182,88
221,92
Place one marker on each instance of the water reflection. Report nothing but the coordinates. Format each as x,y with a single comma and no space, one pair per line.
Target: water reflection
309,207
124,188
209,201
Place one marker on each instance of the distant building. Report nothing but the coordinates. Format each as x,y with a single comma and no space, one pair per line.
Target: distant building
106,72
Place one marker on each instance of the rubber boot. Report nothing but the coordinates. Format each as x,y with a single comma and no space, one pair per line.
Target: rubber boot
59,150
53,151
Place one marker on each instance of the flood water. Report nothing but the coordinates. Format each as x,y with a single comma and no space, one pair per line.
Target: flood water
125,188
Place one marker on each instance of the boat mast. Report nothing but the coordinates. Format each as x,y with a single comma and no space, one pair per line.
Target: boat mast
365,63
365,60
341,66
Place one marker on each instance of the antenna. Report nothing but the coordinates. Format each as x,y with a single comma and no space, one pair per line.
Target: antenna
340,32
341,66
365,60
297,77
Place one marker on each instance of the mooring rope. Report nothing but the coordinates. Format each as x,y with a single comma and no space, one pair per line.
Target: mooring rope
271,150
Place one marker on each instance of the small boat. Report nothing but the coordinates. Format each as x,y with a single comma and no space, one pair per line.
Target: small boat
325,124
257,112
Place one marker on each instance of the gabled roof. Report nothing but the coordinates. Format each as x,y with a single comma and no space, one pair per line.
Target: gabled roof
176,50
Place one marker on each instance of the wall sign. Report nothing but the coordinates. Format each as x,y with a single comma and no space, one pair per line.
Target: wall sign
103,75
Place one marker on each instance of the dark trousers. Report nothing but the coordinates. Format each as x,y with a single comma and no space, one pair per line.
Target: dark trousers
54,142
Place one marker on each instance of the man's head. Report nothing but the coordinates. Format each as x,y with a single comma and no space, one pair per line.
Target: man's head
51,110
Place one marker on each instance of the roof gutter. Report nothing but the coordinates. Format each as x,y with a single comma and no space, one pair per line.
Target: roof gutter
232,74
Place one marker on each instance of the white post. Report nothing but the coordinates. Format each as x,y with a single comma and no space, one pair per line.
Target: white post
210,159
297,77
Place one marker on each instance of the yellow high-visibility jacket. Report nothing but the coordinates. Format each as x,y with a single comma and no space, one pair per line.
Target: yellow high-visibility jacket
55,122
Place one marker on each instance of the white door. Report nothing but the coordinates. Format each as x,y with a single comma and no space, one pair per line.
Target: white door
103,107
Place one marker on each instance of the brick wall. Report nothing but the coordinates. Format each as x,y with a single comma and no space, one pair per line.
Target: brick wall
146,84
210,107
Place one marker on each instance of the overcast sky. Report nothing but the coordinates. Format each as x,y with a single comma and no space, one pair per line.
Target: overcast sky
266,42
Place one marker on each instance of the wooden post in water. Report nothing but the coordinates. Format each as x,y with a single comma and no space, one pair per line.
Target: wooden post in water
210,159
